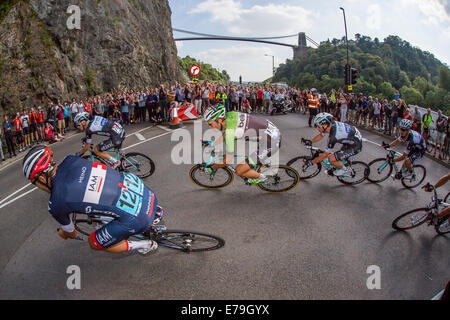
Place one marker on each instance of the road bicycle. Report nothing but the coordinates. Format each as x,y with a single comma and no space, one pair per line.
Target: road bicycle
279,178
133,162
358,170
416,217
381,169
186,241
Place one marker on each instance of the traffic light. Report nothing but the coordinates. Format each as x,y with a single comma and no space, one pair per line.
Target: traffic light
354,75
240,80
347,74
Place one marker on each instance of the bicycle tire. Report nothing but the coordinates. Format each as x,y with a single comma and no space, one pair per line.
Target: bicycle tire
365,173
442,221
274,180
419,181
145,162
297,164
171,238
197,171
376,168
423,215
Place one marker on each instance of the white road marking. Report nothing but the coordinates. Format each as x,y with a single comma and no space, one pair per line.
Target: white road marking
18,197
15,193
366,140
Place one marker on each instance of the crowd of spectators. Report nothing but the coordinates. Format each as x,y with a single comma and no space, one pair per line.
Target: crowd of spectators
52,122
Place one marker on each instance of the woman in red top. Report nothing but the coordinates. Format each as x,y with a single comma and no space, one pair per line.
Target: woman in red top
87,107
19,136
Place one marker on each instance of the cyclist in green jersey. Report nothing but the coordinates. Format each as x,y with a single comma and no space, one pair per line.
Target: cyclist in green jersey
238,125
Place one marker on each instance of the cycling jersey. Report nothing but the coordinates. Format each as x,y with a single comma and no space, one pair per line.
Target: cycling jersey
241,125
84,187
415,142
344,134
105,127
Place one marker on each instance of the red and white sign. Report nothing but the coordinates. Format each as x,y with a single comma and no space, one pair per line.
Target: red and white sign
186,112
195,70
95,183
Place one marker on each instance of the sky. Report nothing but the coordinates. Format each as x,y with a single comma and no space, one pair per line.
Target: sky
423,23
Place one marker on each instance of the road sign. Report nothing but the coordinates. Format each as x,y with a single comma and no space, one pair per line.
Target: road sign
194,80
194,70
350,88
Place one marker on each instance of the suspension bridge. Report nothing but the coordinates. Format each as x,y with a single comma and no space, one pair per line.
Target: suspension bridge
299,50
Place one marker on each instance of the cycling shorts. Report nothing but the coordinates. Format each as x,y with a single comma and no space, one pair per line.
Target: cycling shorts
114,141
416,155
348,151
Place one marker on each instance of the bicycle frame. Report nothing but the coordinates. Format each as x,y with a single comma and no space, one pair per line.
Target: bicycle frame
118,156
391,155
212,158
325,161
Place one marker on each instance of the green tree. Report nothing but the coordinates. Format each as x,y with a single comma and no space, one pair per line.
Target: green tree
411,95
444,78
387,90
421,84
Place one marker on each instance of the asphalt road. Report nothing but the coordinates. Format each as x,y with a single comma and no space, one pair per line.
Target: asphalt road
314,242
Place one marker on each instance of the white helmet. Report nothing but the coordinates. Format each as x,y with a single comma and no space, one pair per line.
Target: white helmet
405,124
80,117
214,112
322,118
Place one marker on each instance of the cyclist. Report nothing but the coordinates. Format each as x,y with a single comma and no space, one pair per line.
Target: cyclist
339,132
102,127
238,125
440,183
78,185
415,148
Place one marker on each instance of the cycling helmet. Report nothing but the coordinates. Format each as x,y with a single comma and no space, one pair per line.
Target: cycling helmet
322,118
214,112
38,159
405,124
80,117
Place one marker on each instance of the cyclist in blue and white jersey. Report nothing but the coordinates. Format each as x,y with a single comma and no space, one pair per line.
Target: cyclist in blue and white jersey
339,132
80,186
415,147
102,127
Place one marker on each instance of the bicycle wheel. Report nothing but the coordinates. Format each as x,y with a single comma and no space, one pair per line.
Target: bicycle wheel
138,164
411,219
189,241
419,175
380,170
88,224
360,171
310,172
279,179
219,179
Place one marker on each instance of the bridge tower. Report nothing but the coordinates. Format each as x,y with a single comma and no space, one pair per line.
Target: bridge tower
302,49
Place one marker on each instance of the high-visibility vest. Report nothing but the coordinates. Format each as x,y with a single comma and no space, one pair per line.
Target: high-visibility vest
313,102
427,120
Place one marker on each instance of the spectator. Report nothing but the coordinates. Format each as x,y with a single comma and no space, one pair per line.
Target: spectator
50,135
73,110
417,126
427,119
163,98
66,116
17,122
441,128
198,99
395,117
157,116
376,123
7,129
34,121
26,128
205,97
1,145
61,123
344,104
388,117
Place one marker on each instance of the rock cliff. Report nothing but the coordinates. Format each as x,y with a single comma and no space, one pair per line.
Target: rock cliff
120,43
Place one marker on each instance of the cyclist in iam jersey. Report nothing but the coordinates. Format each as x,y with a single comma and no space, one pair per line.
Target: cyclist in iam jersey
237,125
102,127
80,186
339,132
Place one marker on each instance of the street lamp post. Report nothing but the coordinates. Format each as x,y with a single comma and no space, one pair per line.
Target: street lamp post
273,64
345,24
